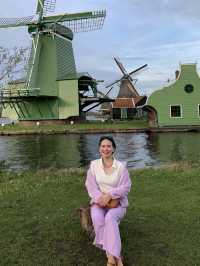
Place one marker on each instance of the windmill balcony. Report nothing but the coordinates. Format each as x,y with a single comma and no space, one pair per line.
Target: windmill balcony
18,92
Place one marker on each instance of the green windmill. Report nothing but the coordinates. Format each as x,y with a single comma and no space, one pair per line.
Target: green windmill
52,89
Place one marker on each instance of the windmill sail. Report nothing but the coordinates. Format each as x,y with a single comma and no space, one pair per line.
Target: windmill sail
40,7
121,67
94,21
49,6
15,22
45,6
138,69
79,22
33,62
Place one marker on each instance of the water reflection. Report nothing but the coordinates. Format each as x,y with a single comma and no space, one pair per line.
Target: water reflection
76,150
174,147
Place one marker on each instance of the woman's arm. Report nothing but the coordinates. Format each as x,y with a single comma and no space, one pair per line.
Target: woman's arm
123,187
92,187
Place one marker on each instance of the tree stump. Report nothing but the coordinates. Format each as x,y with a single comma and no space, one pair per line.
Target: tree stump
86,221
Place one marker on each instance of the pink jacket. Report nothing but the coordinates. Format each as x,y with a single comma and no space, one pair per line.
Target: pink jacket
120,191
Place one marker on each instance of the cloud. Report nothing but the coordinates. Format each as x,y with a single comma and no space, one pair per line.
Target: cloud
178,8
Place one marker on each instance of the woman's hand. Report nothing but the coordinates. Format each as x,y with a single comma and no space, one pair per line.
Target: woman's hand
104,199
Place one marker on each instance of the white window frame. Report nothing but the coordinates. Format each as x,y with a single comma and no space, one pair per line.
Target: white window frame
171,110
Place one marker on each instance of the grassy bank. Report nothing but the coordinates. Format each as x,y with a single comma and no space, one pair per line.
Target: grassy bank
39,224
77,127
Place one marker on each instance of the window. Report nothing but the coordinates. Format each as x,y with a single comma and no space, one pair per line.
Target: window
123,113
175,111
189,88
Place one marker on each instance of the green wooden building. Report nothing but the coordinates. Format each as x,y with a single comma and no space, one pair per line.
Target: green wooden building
179,103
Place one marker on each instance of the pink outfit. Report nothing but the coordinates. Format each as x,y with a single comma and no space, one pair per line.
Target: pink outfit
106,221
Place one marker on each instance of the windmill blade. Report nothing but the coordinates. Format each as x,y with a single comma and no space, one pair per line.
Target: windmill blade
113,83
137,69
101,94
123,70
108,91
49,6
15,22
79,22
33,62
45,6
40,8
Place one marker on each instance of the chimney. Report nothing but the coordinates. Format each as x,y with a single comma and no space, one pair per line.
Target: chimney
177,74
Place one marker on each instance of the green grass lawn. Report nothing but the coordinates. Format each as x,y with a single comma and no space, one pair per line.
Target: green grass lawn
39,224
17,128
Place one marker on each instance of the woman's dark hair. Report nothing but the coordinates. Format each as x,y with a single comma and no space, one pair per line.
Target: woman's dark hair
108,138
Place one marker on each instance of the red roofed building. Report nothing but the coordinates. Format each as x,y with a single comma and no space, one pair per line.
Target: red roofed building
125,108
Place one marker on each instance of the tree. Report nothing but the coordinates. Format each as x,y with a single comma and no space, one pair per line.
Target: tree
12,63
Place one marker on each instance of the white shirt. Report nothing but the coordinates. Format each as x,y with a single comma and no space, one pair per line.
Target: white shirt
106,181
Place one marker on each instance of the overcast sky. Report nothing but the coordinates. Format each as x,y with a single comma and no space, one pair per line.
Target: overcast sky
161,33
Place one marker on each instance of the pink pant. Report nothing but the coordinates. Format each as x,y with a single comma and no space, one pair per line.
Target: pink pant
106,226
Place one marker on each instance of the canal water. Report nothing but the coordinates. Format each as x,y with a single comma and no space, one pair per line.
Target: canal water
76,150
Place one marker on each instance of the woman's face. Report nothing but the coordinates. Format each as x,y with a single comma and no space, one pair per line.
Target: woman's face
106,149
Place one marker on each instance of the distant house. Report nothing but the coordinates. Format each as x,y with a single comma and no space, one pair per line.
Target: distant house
179,103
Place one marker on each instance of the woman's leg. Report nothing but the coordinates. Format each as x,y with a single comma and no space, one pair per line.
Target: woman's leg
98,220
111,235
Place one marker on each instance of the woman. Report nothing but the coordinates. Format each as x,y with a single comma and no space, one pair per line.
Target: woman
107,182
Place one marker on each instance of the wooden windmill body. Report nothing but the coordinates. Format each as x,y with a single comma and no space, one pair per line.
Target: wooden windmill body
52,89
128,99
